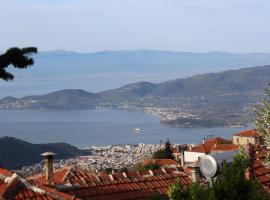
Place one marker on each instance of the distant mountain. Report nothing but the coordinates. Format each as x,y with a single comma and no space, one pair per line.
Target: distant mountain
246,81
142,61
15,153
100,71
222,97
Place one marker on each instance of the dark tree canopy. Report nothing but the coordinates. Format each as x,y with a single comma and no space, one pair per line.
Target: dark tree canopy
166,153
18,57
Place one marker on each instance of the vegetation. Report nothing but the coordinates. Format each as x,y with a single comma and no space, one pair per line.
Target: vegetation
262,120
230,185
158,197
142,168
166,153
16,57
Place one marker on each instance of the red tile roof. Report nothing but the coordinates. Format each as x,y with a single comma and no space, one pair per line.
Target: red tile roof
15,187
132,185
209,144
225,147
261,172
247,133
161,162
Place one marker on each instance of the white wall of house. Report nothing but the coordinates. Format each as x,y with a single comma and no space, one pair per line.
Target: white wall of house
244,140
192,156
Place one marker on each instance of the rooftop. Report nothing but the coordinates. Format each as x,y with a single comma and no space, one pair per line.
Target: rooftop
210,144
138,186
161,162
261,172
247,133
12,186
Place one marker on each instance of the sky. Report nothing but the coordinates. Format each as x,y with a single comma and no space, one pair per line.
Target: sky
97,25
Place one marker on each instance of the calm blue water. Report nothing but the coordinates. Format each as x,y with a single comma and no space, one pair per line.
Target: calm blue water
98,127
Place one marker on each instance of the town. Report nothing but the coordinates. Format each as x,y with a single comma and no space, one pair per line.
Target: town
102,158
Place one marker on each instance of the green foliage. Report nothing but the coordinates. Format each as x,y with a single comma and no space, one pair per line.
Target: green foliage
166,153
16,57
157,197
142,168
230,185
108,170
152,166
139,167
123,169
262,120
178,192
196,192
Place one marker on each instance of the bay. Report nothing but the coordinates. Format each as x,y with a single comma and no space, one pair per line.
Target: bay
85,128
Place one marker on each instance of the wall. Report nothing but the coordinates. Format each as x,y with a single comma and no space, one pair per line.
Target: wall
192,156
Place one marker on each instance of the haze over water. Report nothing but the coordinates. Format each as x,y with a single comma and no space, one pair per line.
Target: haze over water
86,128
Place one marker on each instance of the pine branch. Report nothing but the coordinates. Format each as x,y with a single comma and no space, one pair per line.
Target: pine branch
17,57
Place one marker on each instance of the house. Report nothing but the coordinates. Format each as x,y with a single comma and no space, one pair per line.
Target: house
257,169
165,163
209,146
82,184
14,187
246,137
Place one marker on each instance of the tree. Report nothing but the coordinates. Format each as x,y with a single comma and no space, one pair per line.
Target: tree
139,167
178,192
262,120
17,57
168,150
158,197
166,153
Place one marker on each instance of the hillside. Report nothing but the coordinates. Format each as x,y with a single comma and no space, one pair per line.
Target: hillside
223,97
15,153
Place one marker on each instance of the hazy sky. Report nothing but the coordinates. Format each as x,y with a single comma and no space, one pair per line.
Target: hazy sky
94,25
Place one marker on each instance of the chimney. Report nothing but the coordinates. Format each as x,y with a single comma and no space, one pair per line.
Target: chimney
48,161
195,174
178,149
182,157
203,141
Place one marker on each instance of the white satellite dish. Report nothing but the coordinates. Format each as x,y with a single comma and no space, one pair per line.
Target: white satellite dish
210,164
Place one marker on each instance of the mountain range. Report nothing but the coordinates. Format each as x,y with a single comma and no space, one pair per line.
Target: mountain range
55,70
223,95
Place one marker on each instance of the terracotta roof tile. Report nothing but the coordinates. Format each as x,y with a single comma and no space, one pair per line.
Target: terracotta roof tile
261,172
21,189
247,133
225,147
161,162
210,144
132,186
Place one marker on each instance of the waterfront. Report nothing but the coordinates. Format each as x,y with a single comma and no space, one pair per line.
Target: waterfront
85,128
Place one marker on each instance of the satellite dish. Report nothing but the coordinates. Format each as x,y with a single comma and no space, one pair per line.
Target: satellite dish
210,164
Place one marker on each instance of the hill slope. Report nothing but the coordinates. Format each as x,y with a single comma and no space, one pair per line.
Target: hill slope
220,97
15,153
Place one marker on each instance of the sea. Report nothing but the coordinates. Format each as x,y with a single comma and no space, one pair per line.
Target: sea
97,127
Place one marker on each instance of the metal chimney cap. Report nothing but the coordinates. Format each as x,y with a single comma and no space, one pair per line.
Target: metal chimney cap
46,154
